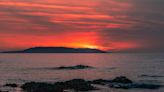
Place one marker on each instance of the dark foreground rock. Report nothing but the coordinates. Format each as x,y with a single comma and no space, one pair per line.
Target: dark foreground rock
100,82
73,67
124,83
82,85
4,91
11,85
40,87
121,79
76,84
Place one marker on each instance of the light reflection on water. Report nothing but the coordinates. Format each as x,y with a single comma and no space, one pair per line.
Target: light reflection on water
20,68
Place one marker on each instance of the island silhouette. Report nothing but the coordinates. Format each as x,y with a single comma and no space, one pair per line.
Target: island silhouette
57,50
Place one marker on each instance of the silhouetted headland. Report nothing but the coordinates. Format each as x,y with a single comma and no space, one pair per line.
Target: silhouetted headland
57,50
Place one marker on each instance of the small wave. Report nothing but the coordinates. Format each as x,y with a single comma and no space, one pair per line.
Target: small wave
153,76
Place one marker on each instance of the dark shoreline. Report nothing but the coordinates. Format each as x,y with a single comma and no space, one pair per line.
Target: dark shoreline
77,85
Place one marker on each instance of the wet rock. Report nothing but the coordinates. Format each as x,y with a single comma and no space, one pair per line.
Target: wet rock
78,85
121,79
125,83
4,91
82,85
75,84
74,67
100,81
40,87
11,85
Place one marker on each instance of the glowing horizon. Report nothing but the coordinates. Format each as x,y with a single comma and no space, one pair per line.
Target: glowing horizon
112,25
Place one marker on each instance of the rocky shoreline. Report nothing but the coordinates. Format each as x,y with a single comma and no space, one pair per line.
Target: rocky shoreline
77,85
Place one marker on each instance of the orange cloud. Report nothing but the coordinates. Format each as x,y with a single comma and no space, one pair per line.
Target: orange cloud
105,24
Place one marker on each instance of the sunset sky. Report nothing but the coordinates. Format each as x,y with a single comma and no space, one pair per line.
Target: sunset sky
114,25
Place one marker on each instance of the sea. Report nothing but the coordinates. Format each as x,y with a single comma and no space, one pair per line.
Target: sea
139,67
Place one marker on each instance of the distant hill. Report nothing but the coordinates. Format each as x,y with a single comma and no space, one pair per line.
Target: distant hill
57,50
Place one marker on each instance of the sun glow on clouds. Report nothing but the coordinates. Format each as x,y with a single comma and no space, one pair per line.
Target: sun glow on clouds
63,23
70,23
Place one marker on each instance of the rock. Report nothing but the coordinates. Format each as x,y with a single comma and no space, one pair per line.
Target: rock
100,81
74,67
11,85
40,87
4,91
121,79
75,84
78,85
125,83
82,85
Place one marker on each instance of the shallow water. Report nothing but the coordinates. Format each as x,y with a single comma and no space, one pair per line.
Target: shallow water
21,68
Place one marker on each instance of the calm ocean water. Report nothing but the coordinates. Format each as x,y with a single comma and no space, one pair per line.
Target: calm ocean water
21,68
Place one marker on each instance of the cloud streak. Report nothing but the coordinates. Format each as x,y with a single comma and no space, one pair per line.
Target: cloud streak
108,24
